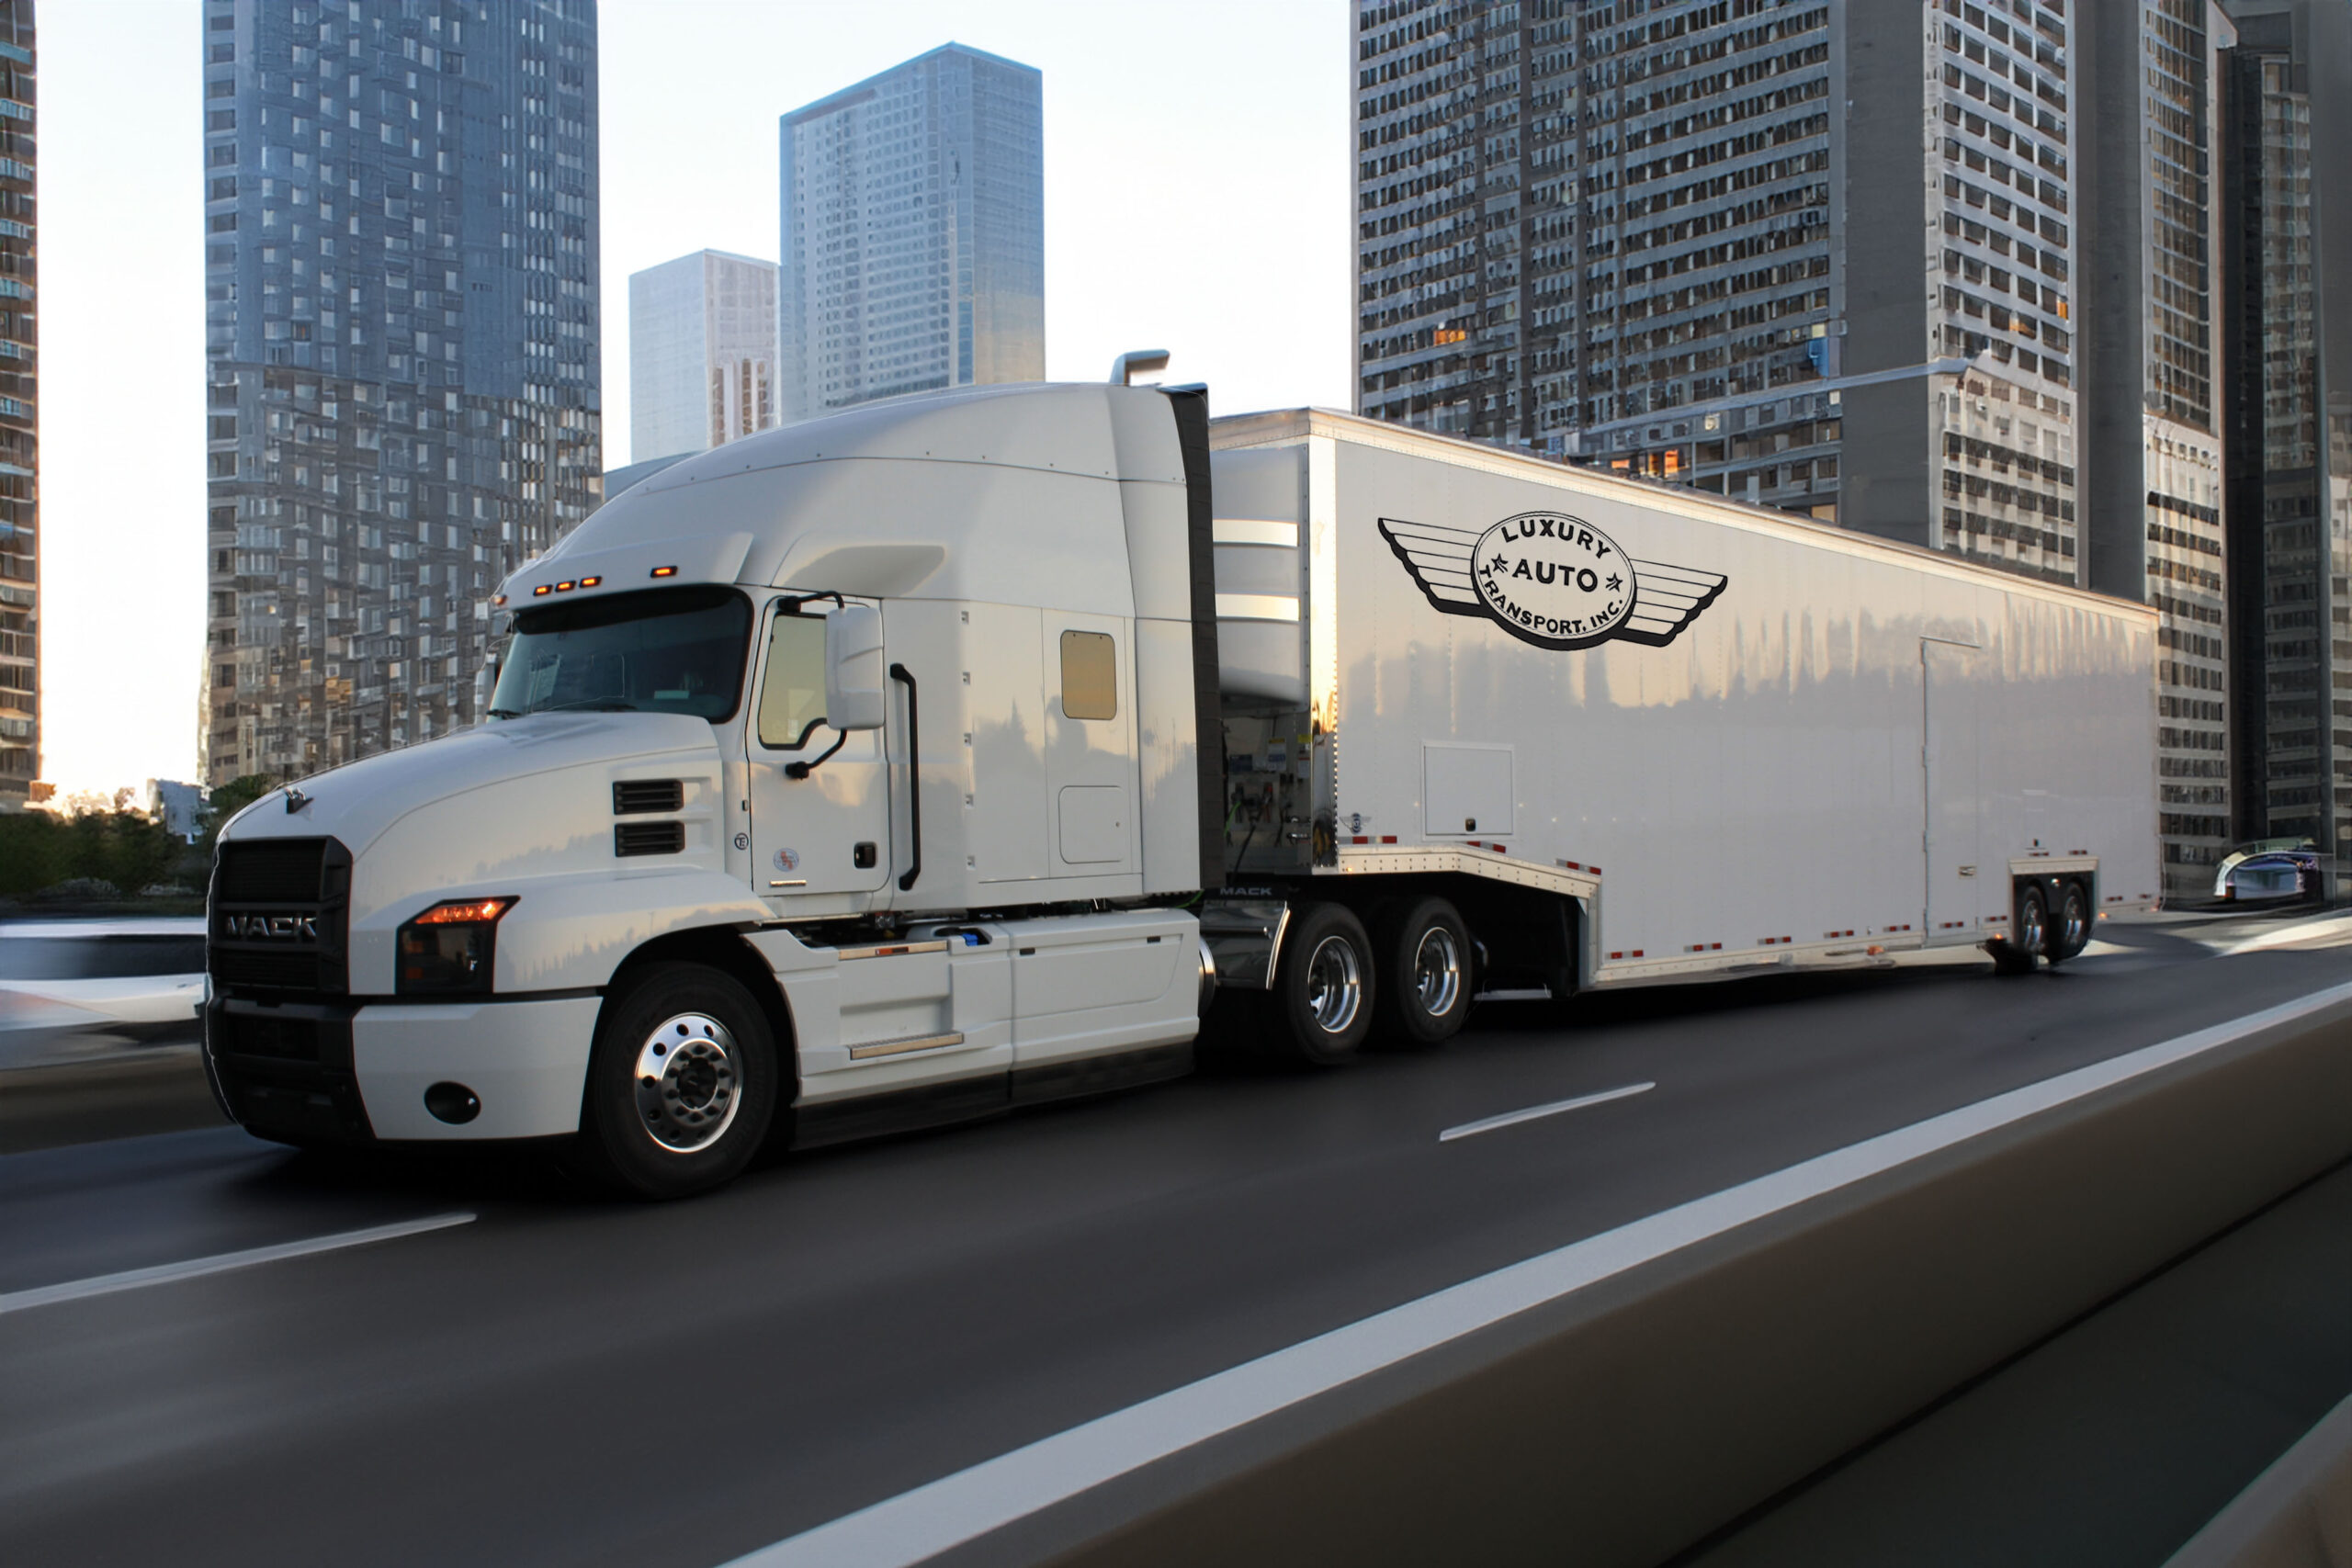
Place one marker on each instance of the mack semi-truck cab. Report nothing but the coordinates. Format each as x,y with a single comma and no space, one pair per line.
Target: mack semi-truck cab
954,752
845,776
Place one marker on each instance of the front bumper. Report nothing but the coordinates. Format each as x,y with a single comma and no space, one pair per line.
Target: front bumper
357,1073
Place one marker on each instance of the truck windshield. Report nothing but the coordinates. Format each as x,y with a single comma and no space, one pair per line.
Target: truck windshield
664,650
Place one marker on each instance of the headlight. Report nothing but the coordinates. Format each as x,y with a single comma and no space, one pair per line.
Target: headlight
449,947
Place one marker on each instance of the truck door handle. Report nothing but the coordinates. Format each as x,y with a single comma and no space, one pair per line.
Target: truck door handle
914,783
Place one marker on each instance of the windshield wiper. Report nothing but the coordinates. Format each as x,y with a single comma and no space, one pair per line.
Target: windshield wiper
591,705
506,712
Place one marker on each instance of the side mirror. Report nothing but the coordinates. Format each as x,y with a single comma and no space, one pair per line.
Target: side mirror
856,689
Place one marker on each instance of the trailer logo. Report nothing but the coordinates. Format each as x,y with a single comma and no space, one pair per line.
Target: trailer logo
1554,580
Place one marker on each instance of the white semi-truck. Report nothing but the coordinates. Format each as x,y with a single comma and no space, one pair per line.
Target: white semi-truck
954,752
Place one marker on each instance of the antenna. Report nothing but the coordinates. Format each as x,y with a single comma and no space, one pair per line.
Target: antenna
1136,359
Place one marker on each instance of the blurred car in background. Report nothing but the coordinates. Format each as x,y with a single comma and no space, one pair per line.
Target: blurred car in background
65,981
2273,871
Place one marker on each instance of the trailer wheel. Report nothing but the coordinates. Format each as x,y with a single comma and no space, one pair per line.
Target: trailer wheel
1323,988
1425,953
681,1084
2072,931
2028,935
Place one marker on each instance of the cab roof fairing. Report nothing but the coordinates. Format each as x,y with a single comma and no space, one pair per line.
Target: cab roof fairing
999,494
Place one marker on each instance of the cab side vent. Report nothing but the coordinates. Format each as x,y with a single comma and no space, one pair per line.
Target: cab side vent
649,838
631,797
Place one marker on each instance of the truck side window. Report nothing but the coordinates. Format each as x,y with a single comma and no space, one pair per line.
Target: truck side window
792,688
1090,676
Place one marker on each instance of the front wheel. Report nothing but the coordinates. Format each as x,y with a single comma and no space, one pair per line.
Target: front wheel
682,1083
1323,988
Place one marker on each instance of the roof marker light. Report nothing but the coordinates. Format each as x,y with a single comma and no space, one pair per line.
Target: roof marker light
565,587
665,571
590,582
542,588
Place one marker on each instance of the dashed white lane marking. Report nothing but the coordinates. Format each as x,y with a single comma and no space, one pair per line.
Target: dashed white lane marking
1513,1118
902,1530
220,1263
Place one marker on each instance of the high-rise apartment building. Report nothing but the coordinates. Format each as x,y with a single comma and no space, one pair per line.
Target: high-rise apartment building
2286,223
2153,459
701,353
914,234
1826,256
1818,256
400,282
19,430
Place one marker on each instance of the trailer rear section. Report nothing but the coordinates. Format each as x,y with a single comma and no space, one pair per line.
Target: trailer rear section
1492,726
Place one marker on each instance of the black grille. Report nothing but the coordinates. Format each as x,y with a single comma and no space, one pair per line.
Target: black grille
649,838
631,797
276,922
279,871
284,1070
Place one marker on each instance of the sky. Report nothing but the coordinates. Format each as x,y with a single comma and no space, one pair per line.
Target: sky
1198,167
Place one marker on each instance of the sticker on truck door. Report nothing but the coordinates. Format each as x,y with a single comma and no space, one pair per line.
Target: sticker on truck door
1551,580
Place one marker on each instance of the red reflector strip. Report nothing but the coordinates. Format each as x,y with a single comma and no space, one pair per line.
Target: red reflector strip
1637,953
1388,838
1832,936
1594,869
1499,849
1359,839
1616,955
1571,865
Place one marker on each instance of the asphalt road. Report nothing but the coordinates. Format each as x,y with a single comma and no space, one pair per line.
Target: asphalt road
563,1381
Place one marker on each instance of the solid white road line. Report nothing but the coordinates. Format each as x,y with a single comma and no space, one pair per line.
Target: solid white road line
1513,1118
196,1268
907,1528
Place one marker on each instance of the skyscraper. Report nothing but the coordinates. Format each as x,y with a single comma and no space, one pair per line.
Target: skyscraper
701,353
1817,256
19,430
913,226
401,329
1829,257
2153,467
2286,221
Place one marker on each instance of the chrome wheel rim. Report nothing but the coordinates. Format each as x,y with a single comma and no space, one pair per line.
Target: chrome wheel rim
689,1082
2073,922
2030,924
1437,972
1334,985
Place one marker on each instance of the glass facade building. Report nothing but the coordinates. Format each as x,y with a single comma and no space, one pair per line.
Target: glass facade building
2152,437
2287,220
701,353
401,284
20,427
913,233
1816,256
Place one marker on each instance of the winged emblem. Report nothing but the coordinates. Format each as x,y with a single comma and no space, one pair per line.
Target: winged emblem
1551,579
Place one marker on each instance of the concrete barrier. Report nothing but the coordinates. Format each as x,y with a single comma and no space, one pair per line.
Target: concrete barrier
2298,1513
1623,1422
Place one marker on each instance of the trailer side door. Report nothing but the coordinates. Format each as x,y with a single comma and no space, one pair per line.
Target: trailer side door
1954,790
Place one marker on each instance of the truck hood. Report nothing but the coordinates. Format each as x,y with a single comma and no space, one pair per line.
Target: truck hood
360,803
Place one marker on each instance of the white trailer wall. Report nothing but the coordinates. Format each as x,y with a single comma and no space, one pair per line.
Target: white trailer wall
1758,784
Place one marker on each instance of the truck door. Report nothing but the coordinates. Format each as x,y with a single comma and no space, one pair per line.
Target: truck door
829,831
1954,790
1089,754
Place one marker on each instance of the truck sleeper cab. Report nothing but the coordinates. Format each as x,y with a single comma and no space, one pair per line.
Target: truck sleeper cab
956,752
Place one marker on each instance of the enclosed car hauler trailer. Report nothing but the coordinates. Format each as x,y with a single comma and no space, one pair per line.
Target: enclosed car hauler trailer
891,768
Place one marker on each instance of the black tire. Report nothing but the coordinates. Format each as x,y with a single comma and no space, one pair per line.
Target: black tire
2029,932
1426,968
2072,932
697,1123
1324,989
